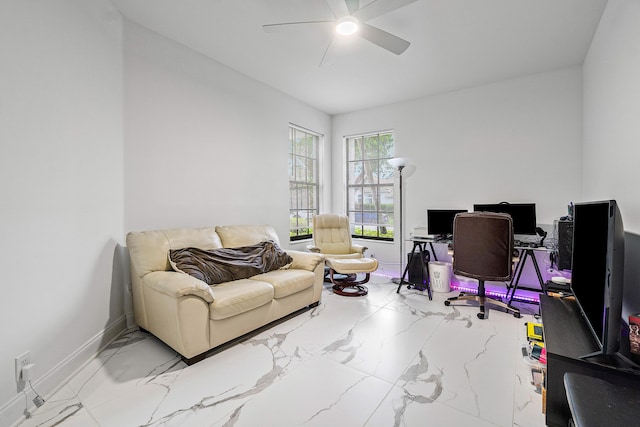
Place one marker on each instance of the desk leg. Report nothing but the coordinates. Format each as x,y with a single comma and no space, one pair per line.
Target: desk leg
433,252
537,268
515,280
425,271
406,270
513,286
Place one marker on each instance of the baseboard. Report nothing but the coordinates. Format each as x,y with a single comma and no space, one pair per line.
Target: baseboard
13,412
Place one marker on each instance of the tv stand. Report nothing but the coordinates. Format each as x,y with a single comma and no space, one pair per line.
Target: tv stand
567,341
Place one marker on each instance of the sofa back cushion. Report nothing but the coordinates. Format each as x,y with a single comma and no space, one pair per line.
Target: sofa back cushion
149,249
235,236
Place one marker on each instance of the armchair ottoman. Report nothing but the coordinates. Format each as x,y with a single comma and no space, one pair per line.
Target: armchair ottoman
351,267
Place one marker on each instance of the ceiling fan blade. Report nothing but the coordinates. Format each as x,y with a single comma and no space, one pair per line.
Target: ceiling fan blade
379,8
352,5
330,54
338,8
288,26
383,39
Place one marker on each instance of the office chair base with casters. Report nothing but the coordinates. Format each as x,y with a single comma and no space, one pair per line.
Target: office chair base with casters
482,300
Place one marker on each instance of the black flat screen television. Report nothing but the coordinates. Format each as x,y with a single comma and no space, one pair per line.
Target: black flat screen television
440,221
597,273
523,215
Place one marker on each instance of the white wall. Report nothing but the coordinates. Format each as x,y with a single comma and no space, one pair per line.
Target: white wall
612,128
70,191
517,140
612,111
62,188
204,145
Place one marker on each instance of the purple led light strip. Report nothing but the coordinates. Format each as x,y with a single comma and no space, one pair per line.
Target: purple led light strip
472,290
497,294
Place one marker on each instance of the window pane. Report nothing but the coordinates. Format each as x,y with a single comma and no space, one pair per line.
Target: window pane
355,148
354,194
310,168
355,172
370,185
303,181
299,143
371,172
371,147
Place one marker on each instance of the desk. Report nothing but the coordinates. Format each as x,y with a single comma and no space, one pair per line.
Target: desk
420,244
525,252
567,338
595,402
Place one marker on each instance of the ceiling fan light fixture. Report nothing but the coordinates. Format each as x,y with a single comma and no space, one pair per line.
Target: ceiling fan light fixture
347,26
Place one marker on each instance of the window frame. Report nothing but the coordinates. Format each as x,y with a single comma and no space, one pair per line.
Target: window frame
309,206
384,185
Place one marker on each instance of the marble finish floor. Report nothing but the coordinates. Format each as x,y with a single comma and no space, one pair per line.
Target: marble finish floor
382,360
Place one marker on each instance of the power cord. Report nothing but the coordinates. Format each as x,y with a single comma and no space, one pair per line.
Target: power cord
38,400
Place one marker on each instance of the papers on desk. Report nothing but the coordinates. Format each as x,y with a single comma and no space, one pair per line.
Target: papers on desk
421,232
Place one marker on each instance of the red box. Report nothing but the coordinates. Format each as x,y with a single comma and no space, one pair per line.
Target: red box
634,333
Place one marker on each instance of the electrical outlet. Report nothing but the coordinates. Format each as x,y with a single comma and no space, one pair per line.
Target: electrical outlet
21,361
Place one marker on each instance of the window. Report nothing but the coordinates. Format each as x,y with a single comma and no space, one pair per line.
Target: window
370,185
303,181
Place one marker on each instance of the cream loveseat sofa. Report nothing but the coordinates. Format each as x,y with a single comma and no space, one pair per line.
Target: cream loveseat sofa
193,317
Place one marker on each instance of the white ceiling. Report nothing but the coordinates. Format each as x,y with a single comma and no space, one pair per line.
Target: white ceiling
454,44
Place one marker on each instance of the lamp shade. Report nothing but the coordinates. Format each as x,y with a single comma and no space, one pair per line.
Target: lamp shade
397,162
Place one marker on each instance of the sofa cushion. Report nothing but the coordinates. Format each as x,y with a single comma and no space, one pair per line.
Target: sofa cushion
233,236
239,296
287,282
227,264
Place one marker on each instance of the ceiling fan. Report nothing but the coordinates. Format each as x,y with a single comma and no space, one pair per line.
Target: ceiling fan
350,19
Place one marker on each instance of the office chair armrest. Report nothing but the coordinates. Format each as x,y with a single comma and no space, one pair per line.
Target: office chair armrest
313,248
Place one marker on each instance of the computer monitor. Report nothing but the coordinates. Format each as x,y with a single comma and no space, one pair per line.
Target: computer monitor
440,221
597,272
522,214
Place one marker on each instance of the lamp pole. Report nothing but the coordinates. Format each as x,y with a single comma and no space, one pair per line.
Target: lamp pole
400,163
400,235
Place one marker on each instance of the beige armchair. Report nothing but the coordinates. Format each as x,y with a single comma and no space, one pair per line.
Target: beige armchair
332,237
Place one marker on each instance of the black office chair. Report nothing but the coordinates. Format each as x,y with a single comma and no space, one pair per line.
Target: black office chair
483,250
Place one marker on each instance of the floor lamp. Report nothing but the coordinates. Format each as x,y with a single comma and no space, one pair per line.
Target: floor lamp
400,163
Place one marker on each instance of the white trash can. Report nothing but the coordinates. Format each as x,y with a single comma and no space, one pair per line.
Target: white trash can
440,275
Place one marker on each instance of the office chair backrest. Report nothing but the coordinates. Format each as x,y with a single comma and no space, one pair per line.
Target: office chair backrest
331,233
483,246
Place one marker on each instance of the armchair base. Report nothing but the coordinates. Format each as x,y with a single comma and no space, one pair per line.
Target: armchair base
349,286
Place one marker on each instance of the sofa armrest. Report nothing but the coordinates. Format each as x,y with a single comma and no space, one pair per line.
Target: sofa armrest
358,248
305,260
175,284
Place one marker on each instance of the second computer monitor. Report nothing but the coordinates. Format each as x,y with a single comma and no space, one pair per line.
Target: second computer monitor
522,214
440,221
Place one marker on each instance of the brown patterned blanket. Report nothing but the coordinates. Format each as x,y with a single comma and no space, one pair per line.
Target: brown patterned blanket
226,264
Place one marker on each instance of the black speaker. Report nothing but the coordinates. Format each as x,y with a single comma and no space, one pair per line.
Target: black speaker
565,244
416,274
